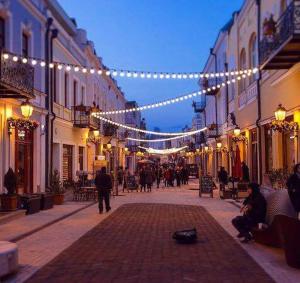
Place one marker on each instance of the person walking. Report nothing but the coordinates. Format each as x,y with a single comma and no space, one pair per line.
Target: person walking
245,172
143,179
103,184
254,212
158,175
120,176
293,185
149,179
178,176
223,176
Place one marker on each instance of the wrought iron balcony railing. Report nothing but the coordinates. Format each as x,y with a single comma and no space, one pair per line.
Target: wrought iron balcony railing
82,117
199,106
213,131
109,130
280,47
211,83
16,79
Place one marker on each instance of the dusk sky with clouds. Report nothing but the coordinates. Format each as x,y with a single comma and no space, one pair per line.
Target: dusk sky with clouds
156,35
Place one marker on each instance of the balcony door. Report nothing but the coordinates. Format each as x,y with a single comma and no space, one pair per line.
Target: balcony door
24,160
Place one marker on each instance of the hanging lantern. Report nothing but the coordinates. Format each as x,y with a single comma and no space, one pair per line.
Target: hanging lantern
280,113
96,133
237,131
206,148
26,109
108,146
219,145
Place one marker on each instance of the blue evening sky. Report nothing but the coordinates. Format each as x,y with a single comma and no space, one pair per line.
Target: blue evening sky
154,35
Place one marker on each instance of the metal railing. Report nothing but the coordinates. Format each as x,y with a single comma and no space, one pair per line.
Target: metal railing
82,118
287,25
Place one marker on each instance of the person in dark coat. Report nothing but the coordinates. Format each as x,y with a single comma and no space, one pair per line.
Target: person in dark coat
143,179
103,184
178,176
223,176
293,185
254,212
245,172
149,179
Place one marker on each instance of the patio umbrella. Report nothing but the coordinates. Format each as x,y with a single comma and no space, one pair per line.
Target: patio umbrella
237,172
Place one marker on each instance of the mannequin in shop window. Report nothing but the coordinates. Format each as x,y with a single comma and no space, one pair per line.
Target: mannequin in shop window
293,185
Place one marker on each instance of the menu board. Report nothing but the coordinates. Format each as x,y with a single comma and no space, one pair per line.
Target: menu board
131,183
206,185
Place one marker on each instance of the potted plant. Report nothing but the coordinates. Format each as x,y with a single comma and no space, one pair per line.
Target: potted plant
10,199
57,188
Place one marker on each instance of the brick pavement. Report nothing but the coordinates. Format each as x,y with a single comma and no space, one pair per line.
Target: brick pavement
134,245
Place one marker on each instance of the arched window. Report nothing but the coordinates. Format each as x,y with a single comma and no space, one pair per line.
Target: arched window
252,55
243,67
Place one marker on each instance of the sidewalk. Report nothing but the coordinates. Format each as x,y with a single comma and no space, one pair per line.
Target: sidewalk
22,227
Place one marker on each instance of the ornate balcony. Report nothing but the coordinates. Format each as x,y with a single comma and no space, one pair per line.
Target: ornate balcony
82,117
213,131
199,106
16,79
280,47
109,130
210,85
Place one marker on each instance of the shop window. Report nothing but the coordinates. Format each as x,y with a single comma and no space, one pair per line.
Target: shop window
80,157
25,45
2,33
67,162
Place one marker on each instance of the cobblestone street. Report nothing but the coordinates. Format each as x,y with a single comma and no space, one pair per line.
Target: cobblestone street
38,249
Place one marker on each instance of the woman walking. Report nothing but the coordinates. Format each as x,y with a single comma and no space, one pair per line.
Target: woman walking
293,185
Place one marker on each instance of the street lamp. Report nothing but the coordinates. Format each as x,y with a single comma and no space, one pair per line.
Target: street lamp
26,109
280,113
108,146
237,131
206,148
219,145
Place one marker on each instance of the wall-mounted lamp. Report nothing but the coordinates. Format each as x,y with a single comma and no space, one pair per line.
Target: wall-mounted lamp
26,109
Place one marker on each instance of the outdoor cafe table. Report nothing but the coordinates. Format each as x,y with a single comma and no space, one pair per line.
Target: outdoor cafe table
90,192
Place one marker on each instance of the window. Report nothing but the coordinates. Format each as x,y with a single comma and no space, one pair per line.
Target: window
25,45
80,157
55,84
82,94
67,162
66,89
252,55
75,93
242,67
2,33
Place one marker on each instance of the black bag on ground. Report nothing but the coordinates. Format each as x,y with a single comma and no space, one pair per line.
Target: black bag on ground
185,236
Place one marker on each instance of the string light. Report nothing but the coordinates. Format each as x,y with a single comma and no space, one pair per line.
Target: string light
169,101
150,132
160,140
128,73
163,151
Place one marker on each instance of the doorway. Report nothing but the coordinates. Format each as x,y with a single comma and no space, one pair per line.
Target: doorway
24,160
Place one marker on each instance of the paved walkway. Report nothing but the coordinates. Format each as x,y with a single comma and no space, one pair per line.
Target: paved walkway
135,244
40,248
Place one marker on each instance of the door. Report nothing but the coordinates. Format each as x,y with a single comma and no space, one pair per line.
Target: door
24,160
67,162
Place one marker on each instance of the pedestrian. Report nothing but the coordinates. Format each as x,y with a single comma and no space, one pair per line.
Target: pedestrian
158,175
254,211
178,176
120,176
103,184
223,176
125,177
143,179
149,179
167,177
293,185
245,172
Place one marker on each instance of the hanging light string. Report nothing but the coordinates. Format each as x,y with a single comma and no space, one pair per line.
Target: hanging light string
163,151
123,73
162,140
176,99
151,132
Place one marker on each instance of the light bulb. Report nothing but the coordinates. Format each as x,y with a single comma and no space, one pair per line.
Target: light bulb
15,58
33,62
5,56
51,65
84,70
92,71
24,60
43,64
76,69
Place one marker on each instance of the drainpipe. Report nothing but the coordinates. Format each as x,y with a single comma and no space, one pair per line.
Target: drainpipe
258,4
227,108
53,94
47,100
216,106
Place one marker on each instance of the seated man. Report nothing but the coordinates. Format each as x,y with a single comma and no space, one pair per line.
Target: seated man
254,212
